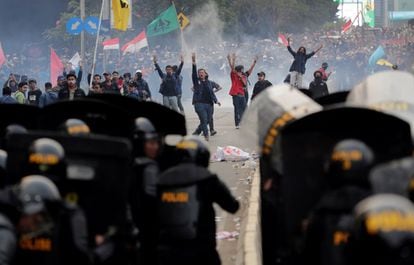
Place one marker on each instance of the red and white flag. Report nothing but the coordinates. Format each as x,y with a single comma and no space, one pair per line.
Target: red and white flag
282,39
136,44
2,56
56,67
347,26
112,44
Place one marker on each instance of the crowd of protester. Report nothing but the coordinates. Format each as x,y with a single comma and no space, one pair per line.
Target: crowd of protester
347,55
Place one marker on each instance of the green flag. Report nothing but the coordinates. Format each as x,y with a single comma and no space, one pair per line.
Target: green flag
166,22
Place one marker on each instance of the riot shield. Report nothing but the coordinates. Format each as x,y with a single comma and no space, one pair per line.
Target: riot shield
165,120
332,99
25,115
98,171
391,92
102,118
262,122
300,152
281,102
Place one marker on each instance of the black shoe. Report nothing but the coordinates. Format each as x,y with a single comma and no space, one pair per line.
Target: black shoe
212,133
195,133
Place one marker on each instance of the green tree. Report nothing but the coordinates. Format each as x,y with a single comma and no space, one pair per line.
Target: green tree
260,17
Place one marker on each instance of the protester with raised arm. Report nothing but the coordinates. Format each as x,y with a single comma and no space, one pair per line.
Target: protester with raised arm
168,88
238,89
298,67
203,97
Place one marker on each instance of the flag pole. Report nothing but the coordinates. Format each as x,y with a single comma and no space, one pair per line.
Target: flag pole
96,43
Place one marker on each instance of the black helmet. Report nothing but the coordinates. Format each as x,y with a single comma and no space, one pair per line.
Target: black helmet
12,129
75,127
193,149
15,128
3,159
3,166
383,231
144,130
35,192
325,65
350,163
46,156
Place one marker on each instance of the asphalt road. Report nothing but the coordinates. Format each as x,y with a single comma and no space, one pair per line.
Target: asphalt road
234,174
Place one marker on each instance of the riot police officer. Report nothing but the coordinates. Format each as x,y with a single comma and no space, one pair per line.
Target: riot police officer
49,231
327,229
186,216
142,194
383,231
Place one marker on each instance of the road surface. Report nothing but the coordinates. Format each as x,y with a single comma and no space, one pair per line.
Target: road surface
234,174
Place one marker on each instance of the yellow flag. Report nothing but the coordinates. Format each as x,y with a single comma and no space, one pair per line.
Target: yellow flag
384,62
122,13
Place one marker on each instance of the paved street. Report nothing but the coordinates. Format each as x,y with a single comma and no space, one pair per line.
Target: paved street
232,173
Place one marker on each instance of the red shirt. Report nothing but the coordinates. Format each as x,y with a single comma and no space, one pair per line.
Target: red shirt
237,84
324,74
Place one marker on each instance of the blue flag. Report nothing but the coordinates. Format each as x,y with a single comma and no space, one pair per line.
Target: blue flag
376,55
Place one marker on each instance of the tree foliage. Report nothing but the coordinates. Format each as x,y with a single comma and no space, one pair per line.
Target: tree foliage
259,17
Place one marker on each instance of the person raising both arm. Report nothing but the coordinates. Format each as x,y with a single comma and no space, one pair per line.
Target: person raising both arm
203,97
238,89
168,88
298,67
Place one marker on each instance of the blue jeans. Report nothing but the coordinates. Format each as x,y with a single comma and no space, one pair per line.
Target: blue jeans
204,112
239,103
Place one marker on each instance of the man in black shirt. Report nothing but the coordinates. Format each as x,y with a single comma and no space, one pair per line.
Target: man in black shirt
261,84
34,93
318,87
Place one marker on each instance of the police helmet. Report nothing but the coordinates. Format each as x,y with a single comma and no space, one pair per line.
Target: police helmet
383,231
46,156
3,165
144,129
15,128
12,129
75,127
350,163
35,192
193,149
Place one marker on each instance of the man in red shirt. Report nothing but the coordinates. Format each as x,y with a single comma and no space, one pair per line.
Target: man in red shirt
239,87
325,75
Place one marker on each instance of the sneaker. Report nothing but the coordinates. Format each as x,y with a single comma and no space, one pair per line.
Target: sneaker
212,133
196,133
206,138
237,127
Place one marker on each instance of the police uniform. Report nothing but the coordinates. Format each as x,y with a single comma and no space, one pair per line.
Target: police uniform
329,225
142,200
186,216
142,191
57,232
